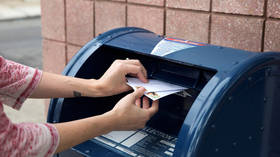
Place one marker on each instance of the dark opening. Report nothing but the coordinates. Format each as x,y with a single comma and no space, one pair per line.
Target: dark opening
173,108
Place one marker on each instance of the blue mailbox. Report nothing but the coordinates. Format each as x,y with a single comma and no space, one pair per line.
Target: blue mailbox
229,109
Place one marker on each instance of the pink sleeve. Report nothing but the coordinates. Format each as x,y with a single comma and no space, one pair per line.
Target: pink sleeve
17,82
26,139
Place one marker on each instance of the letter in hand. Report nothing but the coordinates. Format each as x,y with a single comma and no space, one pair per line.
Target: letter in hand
114,79
128,112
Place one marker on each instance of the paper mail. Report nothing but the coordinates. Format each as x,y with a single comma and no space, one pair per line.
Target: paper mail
155,89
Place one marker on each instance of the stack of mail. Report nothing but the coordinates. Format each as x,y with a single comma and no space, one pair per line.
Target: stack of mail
155,89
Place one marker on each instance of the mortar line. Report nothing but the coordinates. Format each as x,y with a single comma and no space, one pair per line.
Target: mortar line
164,17
65,33
94,13
126,11
210,22
264,24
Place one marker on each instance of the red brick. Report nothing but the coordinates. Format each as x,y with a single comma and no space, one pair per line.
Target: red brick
189,4
237,32
272,38
146,17
108,15
53,23
273,8
148,2
247,7
53,56
71,51
187,25
79,17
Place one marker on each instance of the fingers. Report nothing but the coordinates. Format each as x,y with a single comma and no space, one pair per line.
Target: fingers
154,108
150,110
126,87
138,102
138,93
138,63
146,104
136,68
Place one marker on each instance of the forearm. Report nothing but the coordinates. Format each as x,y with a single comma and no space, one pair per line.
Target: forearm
76,132
126,115
54,86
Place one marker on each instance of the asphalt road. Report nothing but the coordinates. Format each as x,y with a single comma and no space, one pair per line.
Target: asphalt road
21,41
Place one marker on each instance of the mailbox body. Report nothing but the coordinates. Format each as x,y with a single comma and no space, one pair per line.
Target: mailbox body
230,110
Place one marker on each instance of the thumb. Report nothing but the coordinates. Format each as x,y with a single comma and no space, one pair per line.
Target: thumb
138,92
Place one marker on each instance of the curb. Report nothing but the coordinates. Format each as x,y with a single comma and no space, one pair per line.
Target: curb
10,12
20,18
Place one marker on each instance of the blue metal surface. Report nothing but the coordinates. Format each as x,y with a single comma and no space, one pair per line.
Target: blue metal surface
227,118
210,99
214,57
79,59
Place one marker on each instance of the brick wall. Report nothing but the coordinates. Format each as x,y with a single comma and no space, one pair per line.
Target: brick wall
245,24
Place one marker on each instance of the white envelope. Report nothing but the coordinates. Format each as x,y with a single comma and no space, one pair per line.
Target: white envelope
155,89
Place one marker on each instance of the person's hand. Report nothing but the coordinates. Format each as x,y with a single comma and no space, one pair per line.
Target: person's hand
128,114
114,82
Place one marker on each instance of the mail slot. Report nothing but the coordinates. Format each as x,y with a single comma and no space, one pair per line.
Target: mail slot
225,110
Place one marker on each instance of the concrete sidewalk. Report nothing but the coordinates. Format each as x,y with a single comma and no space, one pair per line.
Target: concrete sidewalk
19,9
33,110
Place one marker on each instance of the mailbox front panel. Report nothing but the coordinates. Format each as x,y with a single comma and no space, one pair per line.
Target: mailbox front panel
160,136
220,114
